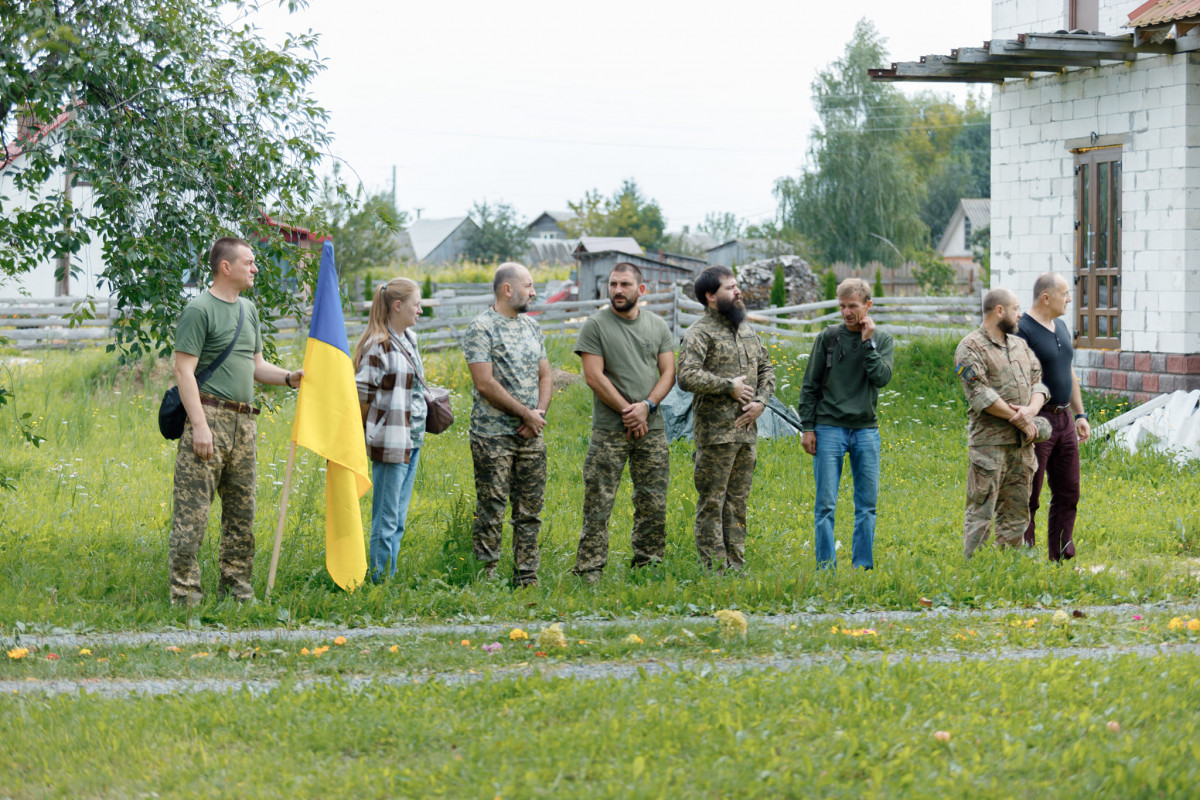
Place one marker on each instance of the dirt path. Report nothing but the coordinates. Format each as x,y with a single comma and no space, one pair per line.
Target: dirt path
152,687
183,638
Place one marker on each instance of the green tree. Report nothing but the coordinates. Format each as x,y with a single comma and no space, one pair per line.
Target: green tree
625,213
877,291
778,289
950,147
935,276
498,236
722,226
186,125
829,284
859,184
363,226
426,293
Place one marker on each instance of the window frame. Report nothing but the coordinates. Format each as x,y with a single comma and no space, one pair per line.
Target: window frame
1098,248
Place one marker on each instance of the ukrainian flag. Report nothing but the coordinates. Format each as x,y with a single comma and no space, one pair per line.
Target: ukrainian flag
329,423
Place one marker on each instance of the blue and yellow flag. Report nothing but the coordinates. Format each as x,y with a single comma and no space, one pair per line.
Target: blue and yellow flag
329,423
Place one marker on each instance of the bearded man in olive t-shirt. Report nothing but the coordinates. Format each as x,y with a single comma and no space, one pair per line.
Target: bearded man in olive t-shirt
629,363
216,452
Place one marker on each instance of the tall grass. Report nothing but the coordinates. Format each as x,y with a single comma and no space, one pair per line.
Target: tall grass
83,537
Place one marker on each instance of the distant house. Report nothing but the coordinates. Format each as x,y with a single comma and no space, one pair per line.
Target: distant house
53,277
547,225
689,242
599,244
743,251
436,241
970,215
1094,165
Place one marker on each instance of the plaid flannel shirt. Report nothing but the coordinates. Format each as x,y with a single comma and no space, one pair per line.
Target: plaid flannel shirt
386,381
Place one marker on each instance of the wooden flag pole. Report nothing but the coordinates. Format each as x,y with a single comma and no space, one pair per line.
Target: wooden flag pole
287,486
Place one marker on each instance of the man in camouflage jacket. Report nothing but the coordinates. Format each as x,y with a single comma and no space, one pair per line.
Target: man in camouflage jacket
1003,382
726,367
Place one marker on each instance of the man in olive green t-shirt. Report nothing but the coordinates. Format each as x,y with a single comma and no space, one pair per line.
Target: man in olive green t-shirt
216,452
629,363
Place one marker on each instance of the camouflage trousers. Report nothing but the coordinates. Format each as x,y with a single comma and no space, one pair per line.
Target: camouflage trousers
650,470
723,475
229,473
998,482
509,468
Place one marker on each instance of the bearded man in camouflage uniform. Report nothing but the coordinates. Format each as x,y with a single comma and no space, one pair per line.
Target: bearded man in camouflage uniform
216,452
1002,379
723,363
629,363
506,353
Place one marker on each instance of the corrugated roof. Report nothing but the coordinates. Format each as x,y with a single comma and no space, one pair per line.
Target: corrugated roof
598,244
978,210
1161,12
426,234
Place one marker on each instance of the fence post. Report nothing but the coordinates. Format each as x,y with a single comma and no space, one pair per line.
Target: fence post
675,314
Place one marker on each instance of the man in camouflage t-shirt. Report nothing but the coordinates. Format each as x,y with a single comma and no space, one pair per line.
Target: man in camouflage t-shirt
506,353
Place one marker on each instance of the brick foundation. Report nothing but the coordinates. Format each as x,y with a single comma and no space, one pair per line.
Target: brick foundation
1138,376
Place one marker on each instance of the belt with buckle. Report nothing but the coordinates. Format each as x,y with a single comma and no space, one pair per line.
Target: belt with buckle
229,405
1060,409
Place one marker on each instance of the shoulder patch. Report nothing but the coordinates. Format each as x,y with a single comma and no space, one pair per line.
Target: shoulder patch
966,372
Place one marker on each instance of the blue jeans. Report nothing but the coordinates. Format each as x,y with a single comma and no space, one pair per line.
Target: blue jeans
863,446
389,510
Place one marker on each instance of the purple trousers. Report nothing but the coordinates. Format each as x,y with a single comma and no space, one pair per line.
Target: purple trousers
1058,464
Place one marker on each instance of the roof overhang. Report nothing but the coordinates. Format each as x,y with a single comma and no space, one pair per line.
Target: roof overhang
1027,56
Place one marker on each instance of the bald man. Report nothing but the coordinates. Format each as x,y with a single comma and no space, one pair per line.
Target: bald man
1003,383
506,353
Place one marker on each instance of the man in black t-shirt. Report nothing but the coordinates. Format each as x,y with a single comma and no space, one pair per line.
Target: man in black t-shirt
1058,456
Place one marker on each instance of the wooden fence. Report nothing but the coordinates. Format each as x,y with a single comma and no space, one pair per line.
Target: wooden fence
64,321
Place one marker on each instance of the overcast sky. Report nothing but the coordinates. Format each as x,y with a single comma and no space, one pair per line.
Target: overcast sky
531,103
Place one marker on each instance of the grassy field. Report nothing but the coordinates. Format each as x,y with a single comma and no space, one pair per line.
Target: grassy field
929,676
83,536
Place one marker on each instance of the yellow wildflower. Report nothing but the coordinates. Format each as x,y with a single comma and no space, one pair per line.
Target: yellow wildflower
1175,624
633,638
733,623
319,650
18,653
303,651
517,633
394,648
172,649
339,641
85,652
465,642
552,636
1194,624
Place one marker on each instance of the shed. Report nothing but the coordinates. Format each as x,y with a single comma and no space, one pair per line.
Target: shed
743,251
547,225
436,241
970,215
594,268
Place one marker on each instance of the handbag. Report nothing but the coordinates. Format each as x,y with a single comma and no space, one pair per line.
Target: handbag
171,414
437,400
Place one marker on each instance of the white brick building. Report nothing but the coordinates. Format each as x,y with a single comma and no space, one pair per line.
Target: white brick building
1096,175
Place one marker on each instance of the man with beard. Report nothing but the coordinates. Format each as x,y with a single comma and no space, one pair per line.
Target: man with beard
726,367
1003,383
629,364
849,364
506,353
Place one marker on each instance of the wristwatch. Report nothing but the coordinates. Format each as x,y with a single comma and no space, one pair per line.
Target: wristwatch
650,404
1081,416
869,343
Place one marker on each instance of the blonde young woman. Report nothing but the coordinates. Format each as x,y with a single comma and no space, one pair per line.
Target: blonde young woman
391,383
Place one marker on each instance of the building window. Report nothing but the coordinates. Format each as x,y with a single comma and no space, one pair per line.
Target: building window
1098,248
1083,15
966,233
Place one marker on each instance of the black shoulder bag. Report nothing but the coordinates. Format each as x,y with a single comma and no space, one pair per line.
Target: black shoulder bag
171,413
